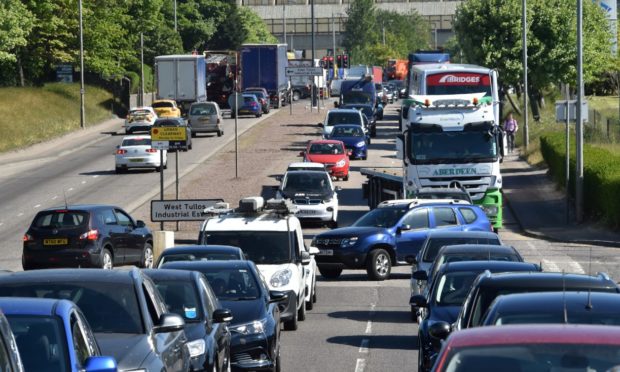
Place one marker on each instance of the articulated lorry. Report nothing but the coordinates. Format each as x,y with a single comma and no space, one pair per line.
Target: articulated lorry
181,78
448,141
264,66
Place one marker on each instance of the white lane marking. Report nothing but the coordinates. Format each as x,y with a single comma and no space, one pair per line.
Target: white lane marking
37,206
550,266
70,189
20,214
83,182
1,223
364,346
368,327
55,197
95,176
360,365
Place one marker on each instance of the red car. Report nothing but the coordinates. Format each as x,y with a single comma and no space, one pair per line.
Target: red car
332,153
535,347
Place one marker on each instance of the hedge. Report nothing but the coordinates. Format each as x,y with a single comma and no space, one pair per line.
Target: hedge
601,175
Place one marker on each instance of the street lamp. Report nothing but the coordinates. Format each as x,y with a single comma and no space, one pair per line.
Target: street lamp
284,19
175,15
526,136
82,110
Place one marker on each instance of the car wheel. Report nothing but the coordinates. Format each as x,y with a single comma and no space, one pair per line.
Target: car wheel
314,296
333,224
378,265
118,170
346,178
258,115
363,157
309,304
220,133
330,272
277,367
414,314
165,165
106,259
232,115
296,96
127,131
302,311
291,325
420,354
146,262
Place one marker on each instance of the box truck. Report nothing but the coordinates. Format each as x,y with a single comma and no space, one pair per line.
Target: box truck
264,66
181,78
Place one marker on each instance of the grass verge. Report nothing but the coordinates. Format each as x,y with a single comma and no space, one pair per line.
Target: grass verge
32,115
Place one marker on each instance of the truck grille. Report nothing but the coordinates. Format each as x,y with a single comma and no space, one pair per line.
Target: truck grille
475,186
307,201
328,243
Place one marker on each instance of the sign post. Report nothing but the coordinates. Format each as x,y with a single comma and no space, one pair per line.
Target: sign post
181,210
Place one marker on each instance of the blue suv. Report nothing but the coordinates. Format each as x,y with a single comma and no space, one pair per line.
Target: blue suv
391,234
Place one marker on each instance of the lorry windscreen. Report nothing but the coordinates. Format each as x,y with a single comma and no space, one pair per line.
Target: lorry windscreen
262,247
357,98
452,147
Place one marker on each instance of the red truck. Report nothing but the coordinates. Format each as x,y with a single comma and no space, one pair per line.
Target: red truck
396,69
377,74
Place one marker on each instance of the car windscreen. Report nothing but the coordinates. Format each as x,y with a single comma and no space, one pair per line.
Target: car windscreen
136,142
41,343
197,256
162,105
247,99
181,298
452,288
313,182
61,219
108,307
433,245
353,131
262,247
202,109
534,357
326,149
335,118
233,284
381,217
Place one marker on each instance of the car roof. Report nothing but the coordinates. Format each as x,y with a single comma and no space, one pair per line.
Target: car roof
324,141
148,108
546,302
84,207
462,234
548,280
476,248
206,265
70,275
536,334
137,136
169,274
338,110
34,306
212,248
307,165
497,266
411,203
307,171
347,126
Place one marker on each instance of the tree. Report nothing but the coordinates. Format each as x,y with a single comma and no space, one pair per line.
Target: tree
15,25
360,28
255,28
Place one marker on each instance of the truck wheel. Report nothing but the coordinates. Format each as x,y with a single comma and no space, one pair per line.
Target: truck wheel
378,265
301,313
330,272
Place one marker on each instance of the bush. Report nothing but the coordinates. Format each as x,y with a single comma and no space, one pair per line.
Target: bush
601,175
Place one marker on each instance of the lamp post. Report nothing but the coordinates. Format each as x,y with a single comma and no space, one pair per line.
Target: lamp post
579,123
334,46
312,88
526,135
383,31
175,15
141,69
82,109
284,19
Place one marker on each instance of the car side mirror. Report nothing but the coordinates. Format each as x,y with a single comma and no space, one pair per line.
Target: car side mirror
118,146
222,316
439,330
277,296
313,251
337,188
418,301
349,153
169,322
305,258
279,178
320,125
420,275
140,224
405,227
302,153
100,364
336,104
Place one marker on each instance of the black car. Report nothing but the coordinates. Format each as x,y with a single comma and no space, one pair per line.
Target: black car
86,235
584,307
442,302
177,122
488,286
188,294
123,307
200,253
370,112
255,328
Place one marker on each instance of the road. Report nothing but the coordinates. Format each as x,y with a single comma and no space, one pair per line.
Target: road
357,325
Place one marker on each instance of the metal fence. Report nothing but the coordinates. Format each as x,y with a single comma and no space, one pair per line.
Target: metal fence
600,128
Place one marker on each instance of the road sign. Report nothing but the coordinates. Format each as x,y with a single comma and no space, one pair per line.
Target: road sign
181,210
160,145
304,71
560,110
168,134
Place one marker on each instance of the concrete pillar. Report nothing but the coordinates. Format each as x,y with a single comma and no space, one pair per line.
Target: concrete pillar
161,241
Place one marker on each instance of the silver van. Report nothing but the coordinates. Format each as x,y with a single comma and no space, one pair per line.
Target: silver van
205,117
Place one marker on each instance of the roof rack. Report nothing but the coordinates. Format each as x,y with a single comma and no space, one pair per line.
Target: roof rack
255,205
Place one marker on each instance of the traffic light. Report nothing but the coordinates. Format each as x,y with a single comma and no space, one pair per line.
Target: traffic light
345,61
330,62
339,60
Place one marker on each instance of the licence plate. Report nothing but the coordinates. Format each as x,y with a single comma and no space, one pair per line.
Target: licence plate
136,160
204,120
307,211
326,252
62,241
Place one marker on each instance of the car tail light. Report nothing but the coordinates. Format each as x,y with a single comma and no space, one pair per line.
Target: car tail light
253,104
121,152
27,238
90,235
151,150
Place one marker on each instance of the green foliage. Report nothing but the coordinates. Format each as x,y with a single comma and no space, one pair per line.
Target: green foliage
15,25
601,179
366,28
254,27
489,34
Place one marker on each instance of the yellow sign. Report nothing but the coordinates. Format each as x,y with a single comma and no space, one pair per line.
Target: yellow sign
168,134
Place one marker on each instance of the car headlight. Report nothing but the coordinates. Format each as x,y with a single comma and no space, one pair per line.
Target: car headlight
489,210
361,144
348,242
281,278
341,163
257,326
196,348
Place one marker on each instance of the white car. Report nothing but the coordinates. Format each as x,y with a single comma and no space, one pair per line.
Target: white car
306,166
140,119
314,194
341,116
136,152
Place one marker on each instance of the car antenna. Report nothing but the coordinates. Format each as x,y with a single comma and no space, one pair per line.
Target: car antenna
64,194
589,304
590,262
564,298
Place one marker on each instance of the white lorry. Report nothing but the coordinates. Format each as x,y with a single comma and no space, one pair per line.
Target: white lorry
270,235
449,141
182,78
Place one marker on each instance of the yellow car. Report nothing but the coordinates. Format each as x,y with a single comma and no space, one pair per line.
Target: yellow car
166,108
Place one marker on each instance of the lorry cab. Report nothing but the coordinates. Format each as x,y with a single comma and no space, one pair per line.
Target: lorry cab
361,91
269,234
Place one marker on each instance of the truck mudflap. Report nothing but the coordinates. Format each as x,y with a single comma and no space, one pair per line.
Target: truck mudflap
492,203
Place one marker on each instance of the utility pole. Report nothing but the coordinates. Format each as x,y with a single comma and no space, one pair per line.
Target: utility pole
175,15
82,109
284,20
383,31
312,88
141,69
579,123
526,134
334,46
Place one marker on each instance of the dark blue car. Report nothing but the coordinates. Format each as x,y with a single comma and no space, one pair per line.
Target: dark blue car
250,106
353,138
53,336
391,233
209,252
443,300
